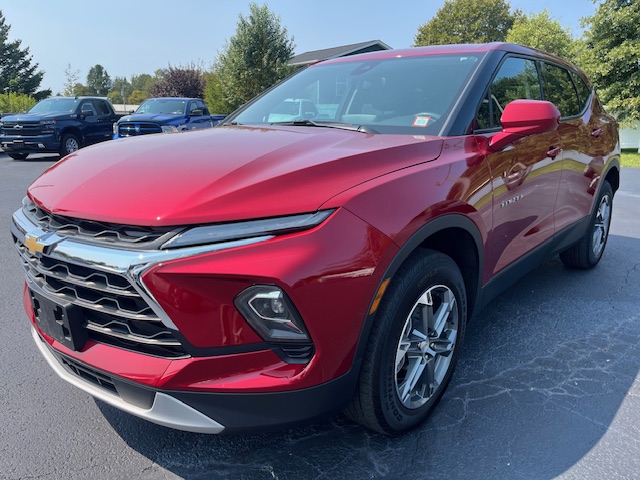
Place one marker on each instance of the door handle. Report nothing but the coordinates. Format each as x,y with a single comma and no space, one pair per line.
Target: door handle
553,152
596,132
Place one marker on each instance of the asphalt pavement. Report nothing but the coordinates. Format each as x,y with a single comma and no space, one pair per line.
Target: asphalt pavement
547,387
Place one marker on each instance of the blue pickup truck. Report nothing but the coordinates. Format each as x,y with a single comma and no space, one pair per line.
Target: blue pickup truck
157,115
57,125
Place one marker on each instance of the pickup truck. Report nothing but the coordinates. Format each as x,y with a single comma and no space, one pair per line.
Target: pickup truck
166,115
57,125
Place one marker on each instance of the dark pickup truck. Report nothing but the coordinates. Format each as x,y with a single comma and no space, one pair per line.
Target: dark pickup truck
57,125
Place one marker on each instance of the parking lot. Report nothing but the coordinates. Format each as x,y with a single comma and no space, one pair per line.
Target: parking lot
547,387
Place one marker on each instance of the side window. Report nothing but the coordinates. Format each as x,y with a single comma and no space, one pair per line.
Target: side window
558,88
87,108
192,106
203,106
583,90
517,78
102,107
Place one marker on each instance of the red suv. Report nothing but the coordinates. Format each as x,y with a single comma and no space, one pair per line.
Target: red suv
266,272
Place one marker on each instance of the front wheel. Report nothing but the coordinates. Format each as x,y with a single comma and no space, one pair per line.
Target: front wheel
413,346
588,251
18,156
70,144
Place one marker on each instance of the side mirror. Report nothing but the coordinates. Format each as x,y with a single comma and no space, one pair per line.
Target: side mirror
196,113
85,113
525,117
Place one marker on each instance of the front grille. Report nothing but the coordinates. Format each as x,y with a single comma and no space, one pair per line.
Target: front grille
114,311
123,236
22,129
128,129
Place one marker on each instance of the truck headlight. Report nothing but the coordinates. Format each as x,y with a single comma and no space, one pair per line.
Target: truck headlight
271,314
115,128
168,129
48,122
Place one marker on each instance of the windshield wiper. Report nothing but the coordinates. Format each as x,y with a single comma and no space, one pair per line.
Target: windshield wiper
340,125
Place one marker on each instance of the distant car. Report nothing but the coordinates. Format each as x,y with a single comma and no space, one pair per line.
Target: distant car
266,272
57,125
166,115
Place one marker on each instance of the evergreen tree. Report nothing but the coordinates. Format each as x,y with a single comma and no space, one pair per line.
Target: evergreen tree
18,73
99,81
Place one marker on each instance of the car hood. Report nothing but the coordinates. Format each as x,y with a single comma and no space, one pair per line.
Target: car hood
151,117
33,117
221,174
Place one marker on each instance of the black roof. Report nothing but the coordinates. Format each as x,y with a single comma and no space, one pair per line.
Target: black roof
334,52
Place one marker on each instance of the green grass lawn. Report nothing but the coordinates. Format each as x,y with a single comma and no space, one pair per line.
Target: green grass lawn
630,158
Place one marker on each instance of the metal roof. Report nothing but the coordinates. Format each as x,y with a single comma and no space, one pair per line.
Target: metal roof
334,52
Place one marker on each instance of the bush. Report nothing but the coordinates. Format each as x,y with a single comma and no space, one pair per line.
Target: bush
15,102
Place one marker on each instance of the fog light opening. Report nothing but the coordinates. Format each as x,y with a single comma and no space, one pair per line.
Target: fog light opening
271,314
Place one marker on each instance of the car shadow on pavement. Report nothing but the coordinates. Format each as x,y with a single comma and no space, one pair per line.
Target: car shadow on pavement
546,378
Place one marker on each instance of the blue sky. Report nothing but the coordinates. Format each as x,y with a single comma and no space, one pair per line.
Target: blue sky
139,37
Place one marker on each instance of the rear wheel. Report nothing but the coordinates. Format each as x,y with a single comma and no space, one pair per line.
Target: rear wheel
413,346
69,144
18,156
588,251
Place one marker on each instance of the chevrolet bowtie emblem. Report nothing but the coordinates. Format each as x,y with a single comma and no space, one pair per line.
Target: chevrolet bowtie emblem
33,244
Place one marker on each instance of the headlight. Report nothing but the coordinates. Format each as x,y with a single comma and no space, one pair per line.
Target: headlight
271,314
253,228
115,129
168,129
48,122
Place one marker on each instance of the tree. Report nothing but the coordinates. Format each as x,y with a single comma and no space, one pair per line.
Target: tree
119,85
541,31
185,81
71,77
253,59
143,82
468,21
611,55
17,72
15,102
80,90
98,80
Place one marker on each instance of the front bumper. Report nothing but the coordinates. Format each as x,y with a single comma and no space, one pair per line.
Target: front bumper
164,409
203,412
39,143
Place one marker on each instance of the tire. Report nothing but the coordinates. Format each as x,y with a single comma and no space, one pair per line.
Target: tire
18,156
69,144
588,251
409,359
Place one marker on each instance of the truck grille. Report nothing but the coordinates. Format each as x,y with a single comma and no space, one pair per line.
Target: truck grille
22,129
114,311
123,236
128,129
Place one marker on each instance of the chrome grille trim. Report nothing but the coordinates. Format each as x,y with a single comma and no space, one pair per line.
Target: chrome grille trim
124,236
113,271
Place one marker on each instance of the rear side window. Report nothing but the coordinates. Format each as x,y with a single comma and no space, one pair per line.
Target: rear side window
102,107
583,90
559,89
517,78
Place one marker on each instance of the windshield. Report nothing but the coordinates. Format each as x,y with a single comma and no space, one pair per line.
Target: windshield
394,95
171,106
56,105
